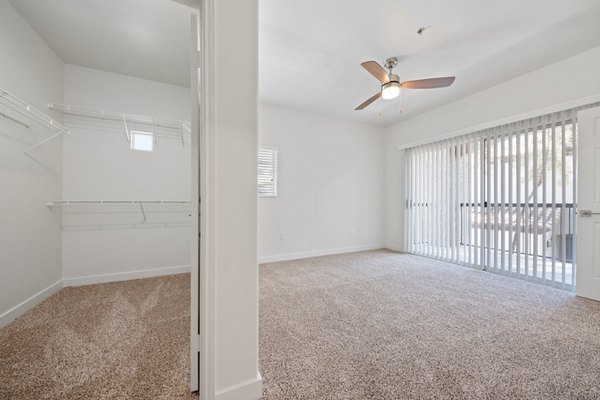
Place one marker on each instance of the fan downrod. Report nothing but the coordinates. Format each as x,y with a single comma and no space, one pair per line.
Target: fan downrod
390,63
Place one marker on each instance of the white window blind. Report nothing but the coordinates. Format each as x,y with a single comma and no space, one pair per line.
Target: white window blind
501,199
267,172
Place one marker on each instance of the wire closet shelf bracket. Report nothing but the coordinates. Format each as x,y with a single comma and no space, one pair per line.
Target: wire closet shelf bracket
21,107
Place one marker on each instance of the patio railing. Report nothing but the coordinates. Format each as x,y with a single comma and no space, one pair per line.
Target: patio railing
519,223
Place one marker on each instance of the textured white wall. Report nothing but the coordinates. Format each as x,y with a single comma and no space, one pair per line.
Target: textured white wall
567,80
30,239
99,165
330,185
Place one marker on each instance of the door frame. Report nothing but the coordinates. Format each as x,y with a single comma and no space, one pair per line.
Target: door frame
203,193
587,283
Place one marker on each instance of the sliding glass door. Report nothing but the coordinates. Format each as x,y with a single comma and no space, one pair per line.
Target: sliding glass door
501,199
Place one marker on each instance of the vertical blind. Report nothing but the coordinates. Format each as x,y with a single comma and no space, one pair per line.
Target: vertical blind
267,172
501,199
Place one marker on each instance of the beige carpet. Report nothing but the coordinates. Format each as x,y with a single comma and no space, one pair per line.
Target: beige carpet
381,325
372,325
124,340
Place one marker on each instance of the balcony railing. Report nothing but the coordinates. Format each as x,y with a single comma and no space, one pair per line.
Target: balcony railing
519,223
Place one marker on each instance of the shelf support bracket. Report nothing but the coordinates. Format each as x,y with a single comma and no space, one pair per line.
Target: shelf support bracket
126,128
181,133
143,211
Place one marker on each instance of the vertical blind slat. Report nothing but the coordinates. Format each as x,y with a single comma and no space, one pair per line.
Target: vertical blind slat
553,202
470,202
544,197
510,140
488,197
482,188
519,209
502,202
452,173
563,211
574,194
496,219
535,201
527,213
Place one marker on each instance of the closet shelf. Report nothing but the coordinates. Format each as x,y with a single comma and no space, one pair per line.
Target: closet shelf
28,111
124,118
62,203
14,120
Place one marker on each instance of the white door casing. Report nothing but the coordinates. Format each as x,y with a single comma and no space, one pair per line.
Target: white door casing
203,193
196,248
588,215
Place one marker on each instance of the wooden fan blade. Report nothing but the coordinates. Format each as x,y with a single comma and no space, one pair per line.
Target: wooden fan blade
428,83
369,101
376,70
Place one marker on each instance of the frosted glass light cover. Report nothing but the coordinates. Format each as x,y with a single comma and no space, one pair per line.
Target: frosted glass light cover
390,90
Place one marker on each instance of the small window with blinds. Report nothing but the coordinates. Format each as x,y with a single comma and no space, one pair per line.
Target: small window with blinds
267,172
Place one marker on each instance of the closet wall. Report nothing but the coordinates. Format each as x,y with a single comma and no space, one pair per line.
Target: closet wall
30,235
103,243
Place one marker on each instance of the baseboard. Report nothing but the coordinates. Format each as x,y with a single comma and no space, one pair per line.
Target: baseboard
28,304
318,253
250,390
394,247
20,309
125,276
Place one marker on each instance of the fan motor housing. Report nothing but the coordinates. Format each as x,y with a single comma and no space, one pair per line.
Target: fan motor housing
394,78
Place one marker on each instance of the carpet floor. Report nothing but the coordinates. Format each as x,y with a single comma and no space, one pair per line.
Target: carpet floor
122,340
383,325
370,325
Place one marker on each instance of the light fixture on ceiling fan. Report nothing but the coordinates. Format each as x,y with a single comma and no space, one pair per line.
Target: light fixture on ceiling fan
391,85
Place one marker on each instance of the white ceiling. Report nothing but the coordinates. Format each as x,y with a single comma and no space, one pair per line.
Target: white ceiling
311,50
148,39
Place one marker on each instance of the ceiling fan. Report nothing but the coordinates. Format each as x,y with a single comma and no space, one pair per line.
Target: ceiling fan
390,83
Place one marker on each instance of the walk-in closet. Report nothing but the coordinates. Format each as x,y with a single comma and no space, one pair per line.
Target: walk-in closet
96,207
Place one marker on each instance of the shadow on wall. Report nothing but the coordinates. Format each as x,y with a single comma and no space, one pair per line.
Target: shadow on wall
15,139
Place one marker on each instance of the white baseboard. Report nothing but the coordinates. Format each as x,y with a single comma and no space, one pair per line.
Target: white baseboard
36,299
125,276
250,390
394,247
318,253
28,304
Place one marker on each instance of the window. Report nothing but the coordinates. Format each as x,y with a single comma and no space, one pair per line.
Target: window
501,199
142,141
267,172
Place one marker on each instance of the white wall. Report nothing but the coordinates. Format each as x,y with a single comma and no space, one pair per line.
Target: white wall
235,233
330,186
99,165
563,82
30,239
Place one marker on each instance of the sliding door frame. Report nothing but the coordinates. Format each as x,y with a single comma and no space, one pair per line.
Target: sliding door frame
445,185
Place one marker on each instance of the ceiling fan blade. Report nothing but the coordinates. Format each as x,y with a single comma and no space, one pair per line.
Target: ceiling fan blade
369,101
376,70
428,83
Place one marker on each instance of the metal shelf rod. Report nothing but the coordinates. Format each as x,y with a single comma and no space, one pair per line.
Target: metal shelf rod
54,203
